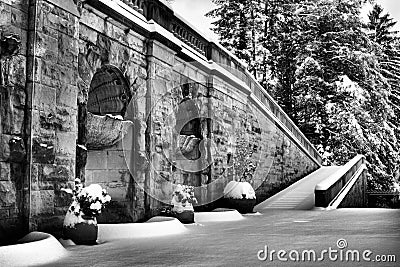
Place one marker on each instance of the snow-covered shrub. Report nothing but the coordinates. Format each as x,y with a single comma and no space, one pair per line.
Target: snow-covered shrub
86,201
183,198
239,190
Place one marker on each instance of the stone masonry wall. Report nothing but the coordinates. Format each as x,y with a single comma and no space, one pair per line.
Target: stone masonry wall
356,197
54,113
13,29
102,42
43,104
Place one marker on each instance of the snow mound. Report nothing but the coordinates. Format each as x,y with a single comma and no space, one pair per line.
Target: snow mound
34,249
237,190
157,226
218,215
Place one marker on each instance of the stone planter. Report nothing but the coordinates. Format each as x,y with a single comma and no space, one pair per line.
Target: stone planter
83,233
186,216
241,205
105,131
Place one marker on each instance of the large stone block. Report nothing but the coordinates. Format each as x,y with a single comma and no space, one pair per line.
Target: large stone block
44,97
16,72
68,24
46,47
116,160
92,20
42,202
161,52
96,160
12,116
43,150
17,149
61,119
5,14
4,171
67,50
4,147
7,194
49,73
54,174
67,96
87,34
65,143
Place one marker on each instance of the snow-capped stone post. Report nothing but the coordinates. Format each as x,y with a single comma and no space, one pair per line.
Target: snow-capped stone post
240,196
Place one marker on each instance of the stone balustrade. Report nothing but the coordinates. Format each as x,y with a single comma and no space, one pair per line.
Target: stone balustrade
161,12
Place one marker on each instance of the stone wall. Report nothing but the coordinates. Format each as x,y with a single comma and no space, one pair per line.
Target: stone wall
356,197
44,117
53,120
13,50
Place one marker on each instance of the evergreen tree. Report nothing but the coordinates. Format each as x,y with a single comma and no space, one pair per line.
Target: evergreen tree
238,26
342,96
380,26
325,71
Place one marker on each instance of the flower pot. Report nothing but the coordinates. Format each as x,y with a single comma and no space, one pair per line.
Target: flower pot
83,233
186,216
241,205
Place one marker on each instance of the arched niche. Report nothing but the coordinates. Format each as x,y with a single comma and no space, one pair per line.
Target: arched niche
108,96
109,92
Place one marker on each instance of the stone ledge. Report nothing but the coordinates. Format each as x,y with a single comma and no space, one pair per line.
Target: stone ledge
157,226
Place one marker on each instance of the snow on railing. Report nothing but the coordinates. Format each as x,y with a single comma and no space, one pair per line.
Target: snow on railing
137,5
329,189
161,12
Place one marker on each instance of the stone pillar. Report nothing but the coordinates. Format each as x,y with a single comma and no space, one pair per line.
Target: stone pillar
52,91
161,78
13,35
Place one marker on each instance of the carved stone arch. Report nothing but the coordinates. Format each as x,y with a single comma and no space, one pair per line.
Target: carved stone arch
109,92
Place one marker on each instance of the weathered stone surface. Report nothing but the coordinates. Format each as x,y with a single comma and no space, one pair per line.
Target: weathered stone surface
42,202
46,47
105,131
66,95
65,144
12,115
44,97
96,160
5,147
62,119
4,171
67,50
7,194
43,150
17,149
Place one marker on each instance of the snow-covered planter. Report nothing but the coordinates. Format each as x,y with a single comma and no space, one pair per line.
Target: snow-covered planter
80,224
182,201
240,196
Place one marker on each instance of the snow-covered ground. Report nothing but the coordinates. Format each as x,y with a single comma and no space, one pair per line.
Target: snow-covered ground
236,243
36,248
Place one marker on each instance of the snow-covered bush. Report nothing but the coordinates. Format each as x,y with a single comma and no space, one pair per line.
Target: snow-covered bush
183,198
239,190
86,201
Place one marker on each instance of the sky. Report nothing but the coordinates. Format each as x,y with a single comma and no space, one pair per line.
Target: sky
194,10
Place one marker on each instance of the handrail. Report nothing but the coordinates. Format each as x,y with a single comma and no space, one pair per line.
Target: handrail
327,190
335,177
335,203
